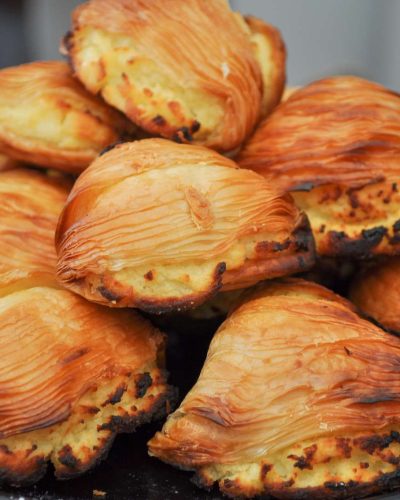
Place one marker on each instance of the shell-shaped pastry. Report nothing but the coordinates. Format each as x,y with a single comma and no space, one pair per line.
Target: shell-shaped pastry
72,375
187,71
336,145
376,291
162,226
30,205
298,398
49,119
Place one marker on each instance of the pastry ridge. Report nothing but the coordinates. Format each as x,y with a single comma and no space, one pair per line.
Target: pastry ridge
160,226
280,412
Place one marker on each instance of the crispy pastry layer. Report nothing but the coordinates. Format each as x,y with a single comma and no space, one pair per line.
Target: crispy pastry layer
298,396
336,142
160,226
166,66
48,118
30,204
376,291
72,374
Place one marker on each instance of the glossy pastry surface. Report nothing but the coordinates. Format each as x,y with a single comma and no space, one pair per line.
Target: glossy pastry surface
297,396
187,71
49,119
162,226
336,145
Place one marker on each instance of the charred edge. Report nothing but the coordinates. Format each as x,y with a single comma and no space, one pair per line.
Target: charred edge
108,294
116,396
159,120
340,485
25,477
74,356
118,424
142,384
110,147
341,244
67,473
372,443
395,239
167,305
67,458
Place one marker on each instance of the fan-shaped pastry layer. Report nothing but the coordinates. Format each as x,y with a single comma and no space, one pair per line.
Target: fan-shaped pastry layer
171,71
72,374
376,291
48,118
30,204
298,396
159,226
336,143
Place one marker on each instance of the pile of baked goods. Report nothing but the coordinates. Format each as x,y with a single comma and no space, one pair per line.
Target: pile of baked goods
162,171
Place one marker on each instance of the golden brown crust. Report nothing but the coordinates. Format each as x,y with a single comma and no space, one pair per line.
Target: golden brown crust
30,204
160,226
49,119
270,53
376,291
298,395
336,144
72,383
170,71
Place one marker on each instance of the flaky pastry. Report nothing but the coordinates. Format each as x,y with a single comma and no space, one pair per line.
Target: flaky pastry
6,163
335,144
49,119
376,291
298,398
187,71
30,204
72,374
162,226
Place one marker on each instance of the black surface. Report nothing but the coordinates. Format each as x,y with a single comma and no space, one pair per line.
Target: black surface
128,472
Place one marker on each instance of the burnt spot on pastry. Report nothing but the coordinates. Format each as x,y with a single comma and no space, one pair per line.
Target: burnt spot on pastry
116,396
195,127
305,461
67,458
142,384
149,276
372,443
341,244
304,186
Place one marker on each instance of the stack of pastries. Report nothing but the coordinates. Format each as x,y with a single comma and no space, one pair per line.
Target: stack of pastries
163,170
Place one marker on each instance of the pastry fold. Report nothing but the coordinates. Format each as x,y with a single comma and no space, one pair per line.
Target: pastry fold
187,71
161,226
72,374
376,291
30,204
48,118
298,398
335,144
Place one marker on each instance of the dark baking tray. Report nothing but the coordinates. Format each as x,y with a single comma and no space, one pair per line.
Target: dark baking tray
128,472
